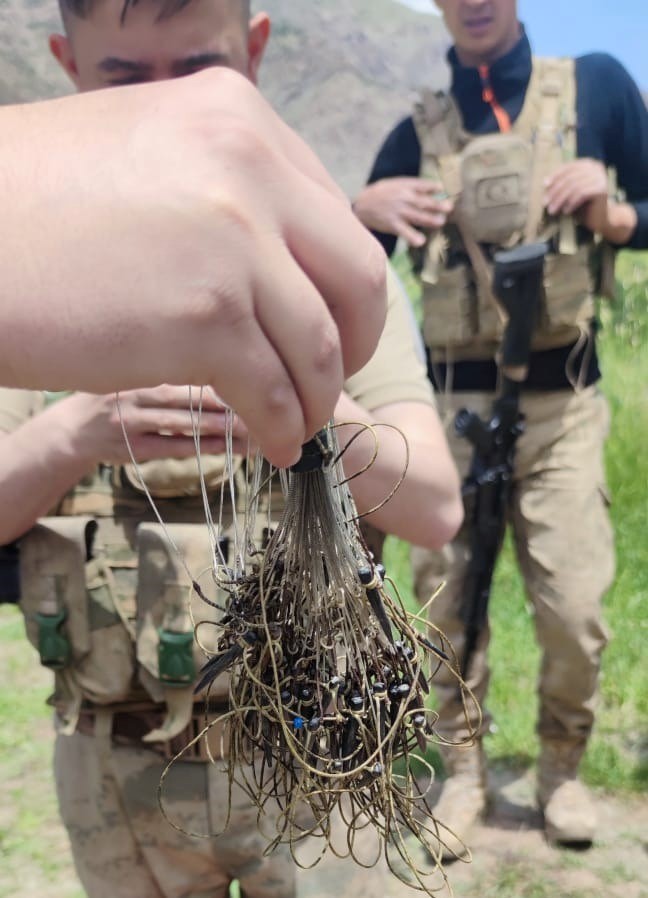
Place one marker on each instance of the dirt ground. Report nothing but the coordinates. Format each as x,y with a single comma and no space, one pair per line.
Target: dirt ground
510,856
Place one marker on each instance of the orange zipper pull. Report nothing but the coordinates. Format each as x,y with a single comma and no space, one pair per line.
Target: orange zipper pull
488,96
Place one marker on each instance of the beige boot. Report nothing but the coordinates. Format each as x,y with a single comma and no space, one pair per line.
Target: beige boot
463,798
569,811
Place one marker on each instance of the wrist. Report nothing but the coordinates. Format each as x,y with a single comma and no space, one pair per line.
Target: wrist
621,223
362,207
74,425
358,209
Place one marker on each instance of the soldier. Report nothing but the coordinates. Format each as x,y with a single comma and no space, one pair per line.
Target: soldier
521,150
101,561
77,222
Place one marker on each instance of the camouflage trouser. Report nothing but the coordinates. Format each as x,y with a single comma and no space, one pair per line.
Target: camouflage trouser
564,546
124,848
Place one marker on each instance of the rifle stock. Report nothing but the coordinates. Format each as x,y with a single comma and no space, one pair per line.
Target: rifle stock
517,286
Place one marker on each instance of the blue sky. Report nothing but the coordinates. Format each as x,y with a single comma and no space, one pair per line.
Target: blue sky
572,27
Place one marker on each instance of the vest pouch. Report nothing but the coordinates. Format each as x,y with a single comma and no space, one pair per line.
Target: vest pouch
168,609
449,307
568,299
53,601
171,478
107,674
495,172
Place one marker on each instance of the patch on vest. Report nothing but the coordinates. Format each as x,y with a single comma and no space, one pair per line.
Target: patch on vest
495,187
501,191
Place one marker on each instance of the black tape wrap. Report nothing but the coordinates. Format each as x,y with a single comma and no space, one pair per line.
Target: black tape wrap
316,454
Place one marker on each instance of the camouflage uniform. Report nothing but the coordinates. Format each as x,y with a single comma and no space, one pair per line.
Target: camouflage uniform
104,560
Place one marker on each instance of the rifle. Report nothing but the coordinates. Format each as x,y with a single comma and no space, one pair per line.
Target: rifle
517,286
9,575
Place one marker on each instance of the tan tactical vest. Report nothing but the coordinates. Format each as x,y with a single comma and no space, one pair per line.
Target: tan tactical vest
107,600
497,183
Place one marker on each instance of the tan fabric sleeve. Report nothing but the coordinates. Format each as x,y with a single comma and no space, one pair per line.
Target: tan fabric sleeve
396,372
17,406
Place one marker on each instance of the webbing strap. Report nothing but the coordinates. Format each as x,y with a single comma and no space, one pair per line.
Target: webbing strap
548,118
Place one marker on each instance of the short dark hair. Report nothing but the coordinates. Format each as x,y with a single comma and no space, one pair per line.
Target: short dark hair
168,8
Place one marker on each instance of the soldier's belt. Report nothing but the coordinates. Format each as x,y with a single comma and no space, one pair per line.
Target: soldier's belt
128,727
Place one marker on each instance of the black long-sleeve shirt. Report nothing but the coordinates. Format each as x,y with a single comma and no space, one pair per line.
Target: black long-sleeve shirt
612,126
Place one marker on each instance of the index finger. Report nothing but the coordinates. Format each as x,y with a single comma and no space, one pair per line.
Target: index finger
174,396
425,185
273,370
564,170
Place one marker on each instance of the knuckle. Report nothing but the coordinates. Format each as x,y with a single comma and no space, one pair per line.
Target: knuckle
280,401
233,308
326,358
113,412
167,421
165,394
237,139
234,216
225,306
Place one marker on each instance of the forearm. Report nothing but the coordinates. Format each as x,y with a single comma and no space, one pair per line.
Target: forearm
39,463
426,509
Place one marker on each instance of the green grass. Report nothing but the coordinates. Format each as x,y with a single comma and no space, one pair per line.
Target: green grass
519,880
617,758
525,879
28,813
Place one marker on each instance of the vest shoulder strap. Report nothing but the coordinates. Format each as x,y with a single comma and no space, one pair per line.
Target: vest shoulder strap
438,125
548,121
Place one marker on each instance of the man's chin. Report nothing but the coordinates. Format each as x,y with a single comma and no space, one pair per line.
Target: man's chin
484,46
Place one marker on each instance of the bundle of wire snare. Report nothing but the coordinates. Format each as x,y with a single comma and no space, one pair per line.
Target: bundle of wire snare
328,677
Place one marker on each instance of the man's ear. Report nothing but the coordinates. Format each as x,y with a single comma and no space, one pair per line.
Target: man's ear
61,51
258,34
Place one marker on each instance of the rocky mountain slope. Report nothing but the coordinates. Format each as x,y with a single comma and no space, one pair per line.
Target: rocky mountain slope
340,71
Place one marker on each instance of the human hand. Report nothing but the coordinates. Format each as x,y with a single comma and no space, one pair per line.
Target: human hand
196,239
580,187
159,423
402,206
